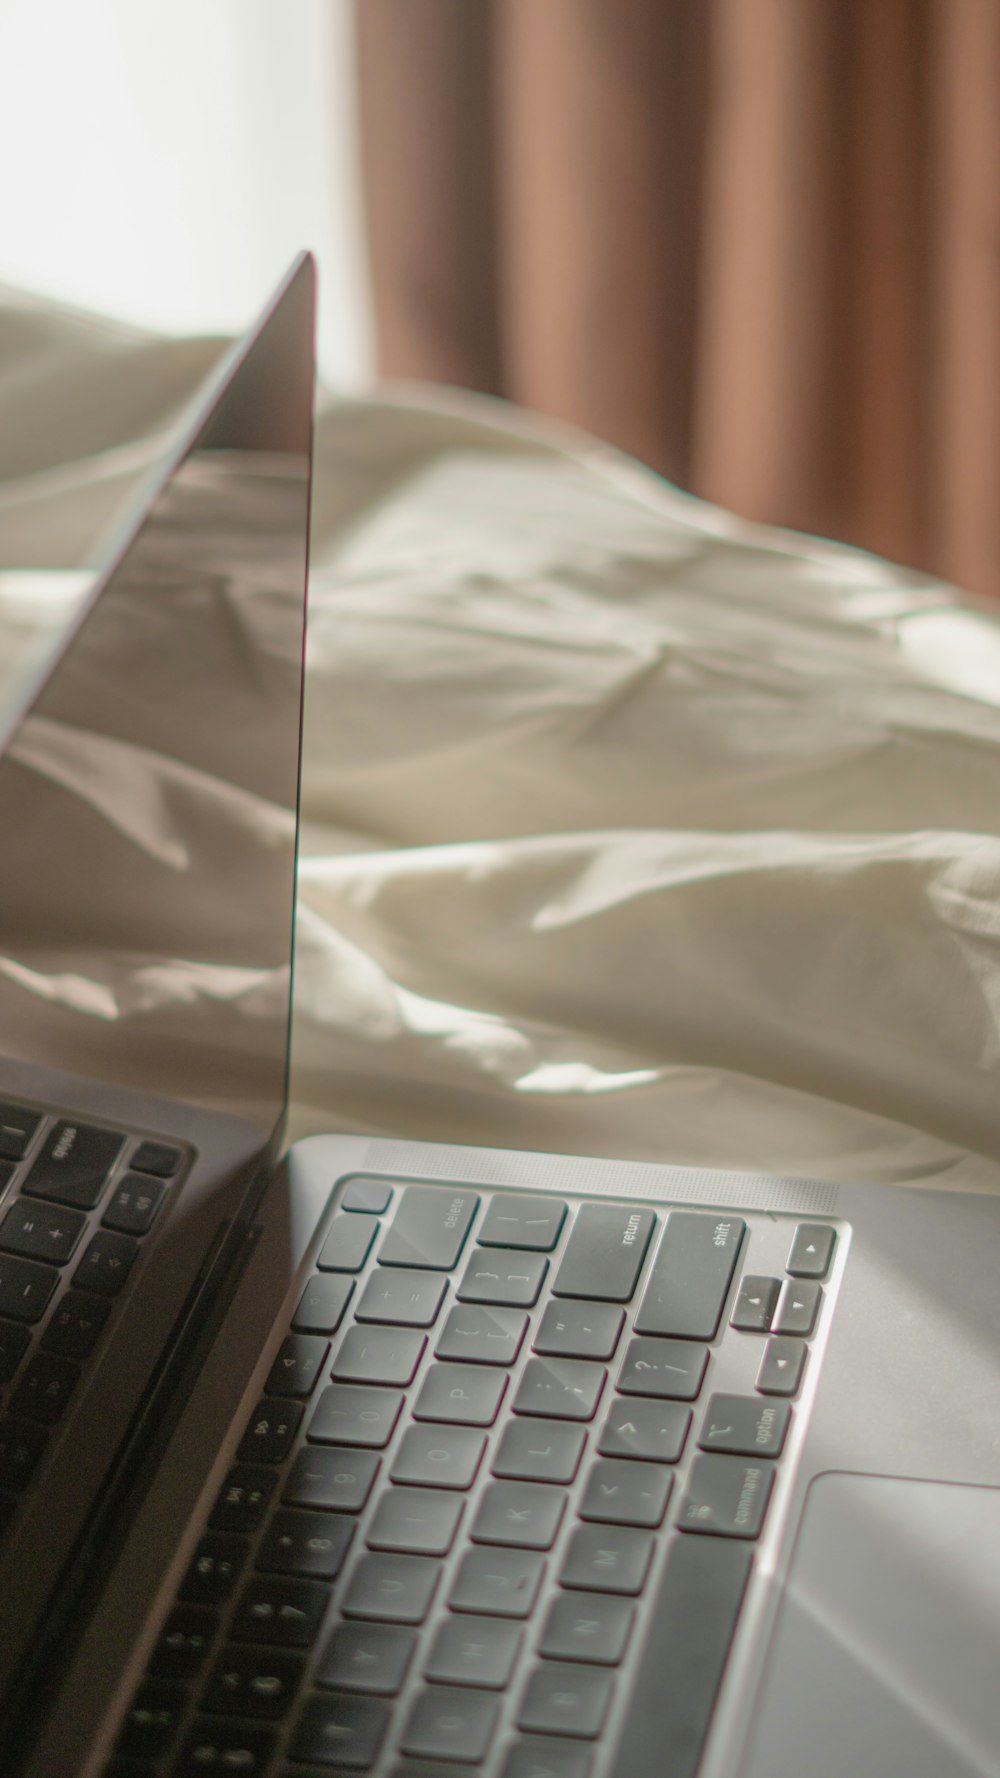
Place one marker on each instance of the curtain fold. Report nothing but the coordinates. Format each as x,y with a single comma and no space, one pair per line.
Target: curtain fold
754,242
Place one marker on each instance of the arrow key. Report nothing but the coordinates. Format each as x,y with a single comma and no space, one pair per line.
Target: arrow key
755,1304
798,1308
811,1250
781,1367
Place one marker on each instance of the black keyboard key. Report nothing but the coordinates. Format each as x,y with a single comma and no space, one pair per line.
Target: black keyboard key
379,1355
323,1303
579,1330
25,1288
726,1496
342,1731
754,1305
159,1158
185,1642
313,1544
690,1276
607,1559
416,1521
605,1251
21,1446
539,1450
566,1700
439,1456
464,1397
17,1128
403,1297
529,1221
73,1164
561,1388
300,1359
280,1610
153,1720
473,1651
369,1196
254,1682
671,1369
106,1263
14,1343
367,1658
524,1514
547,1759
798,1308
653,1431
75,1325
41,1231
500,1582
683,1653
215,1569
482,1336
781,1367
493,1277
623,1493
268,1437
587,1627
450,1724
133,1205
45,1388
217,1749
331,1476
811,1251
392,1589
348,1244
346,1414
429,1228
243,1498
745,1427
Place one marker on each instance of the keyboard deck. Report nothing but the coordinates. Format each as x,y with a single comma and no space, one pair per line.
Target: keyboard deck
497,1509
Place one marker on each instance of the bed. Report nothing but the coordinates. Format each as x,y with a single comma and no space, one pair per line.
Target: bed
629,828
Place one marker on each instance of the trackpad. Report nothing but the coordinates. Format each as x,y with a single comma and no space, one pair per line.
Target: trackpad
886,1656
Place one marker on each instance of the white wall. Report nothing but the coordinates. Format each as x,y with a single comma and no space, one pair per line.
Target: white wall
163,159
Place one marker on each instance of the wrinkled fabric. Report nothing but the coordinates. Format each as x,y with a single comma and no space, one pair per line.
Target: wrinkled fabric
628,828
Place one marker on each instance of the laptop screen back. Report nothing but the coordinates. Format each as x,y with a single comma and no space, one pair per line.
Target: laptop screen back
148,795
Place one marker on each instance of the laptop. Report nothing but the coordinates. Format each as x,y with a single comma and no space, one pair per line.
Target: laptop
384,1457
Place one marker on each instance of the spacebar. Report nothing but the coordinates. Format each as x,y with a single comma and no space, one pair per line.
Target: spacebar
685,1649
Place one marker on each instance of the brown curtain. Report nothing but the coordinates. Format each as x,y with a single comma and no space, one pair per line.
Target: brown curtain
755,242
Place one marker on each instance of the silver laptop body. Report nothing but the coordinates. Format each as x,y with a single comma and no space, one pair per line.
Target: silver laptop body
393,1458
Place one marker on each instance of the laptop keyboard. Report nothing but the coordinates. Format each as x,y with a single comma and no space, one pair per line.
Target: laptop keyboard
78,1200
492,1514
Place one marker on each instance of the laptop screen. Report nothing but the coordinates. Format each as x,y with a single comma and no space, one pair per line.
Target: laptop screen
148,795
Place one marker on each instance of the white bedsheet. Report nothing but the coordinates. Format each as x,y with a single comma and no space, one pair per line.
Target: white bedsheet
630,828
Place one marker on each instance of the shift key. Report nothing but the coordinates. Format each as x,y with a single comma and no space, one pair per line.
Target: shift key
429,1228
605,1251
690,1276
